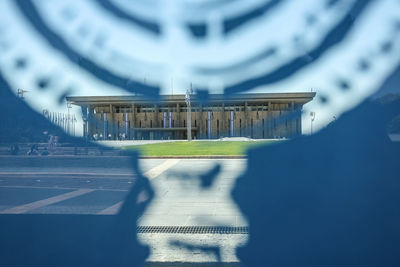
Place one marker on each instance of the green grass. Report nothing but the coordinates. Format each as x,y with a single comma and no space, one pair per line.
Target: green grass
197,148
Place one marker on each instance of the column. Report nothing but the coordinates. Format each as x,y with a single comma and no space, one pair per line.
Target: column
85,120
223,120
132,135
177,124
105,125
156,123
112,126
269,121
155,117
201,121
90,121
292,126
246,120
178,115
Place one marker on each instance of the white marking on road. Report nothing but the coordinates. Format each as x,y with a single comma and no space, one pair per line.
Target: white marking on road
156,171
112,209
151,174
32,173
45,202
60,187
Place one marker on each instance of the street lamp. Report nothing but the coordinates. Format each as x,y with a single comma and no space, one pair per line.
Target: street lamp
189,117
21,92
69,106
312,115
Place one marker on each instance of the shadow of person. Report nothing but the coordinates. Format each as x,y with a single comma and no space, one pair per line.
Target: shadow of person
331,199
77,240
213,250
61,239
206,179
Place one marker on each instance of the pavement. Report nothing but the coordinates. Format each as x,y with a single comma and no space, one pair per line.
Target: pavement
118,144
182,198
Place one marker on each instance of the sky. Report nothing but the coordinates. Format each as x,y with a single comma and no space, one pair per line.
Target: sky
220,60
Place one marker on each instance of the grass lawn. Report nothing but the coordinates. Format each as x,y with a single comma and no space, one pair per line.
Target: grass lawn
197,148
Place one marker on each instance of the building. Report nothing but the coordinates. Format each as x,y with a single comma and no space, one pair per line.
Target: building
269,115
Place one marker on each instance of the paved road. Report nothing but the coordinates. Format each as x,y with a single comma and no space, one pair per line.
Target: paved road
180,199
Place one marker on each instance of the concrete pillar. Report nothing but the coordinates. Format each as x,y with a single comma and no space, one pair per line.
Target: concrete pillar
269,121
112,124
85,129
90,122
169,117
292,125
201,121
178,115
156,123
85,118
231,123
246,120
132,131
105,125
178,134
223,120
299,125
209,125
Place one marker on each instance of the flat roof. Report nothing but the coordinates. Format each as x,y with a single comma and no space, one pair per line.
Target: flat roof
298,97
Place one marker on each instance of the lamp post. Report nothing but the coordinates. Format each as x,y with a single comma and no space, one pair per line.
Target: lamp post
189,117
69,106
312,115
21,92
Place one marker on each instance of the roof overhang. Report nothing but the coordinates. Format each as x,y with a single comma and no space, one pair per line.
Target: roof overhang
299,97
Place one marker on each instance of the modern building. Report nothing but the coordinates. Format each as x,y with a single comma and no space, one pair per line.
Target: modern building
269,115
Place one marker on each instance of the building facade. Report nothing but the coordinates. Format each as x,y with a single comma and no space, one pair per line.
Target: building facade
270,115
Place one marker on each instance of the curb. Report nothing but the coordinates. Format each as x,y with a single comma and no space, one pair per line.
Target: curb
124,156
194,157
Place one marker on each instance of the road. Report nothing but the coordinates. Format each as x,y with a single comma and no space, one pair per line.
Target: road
182,198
